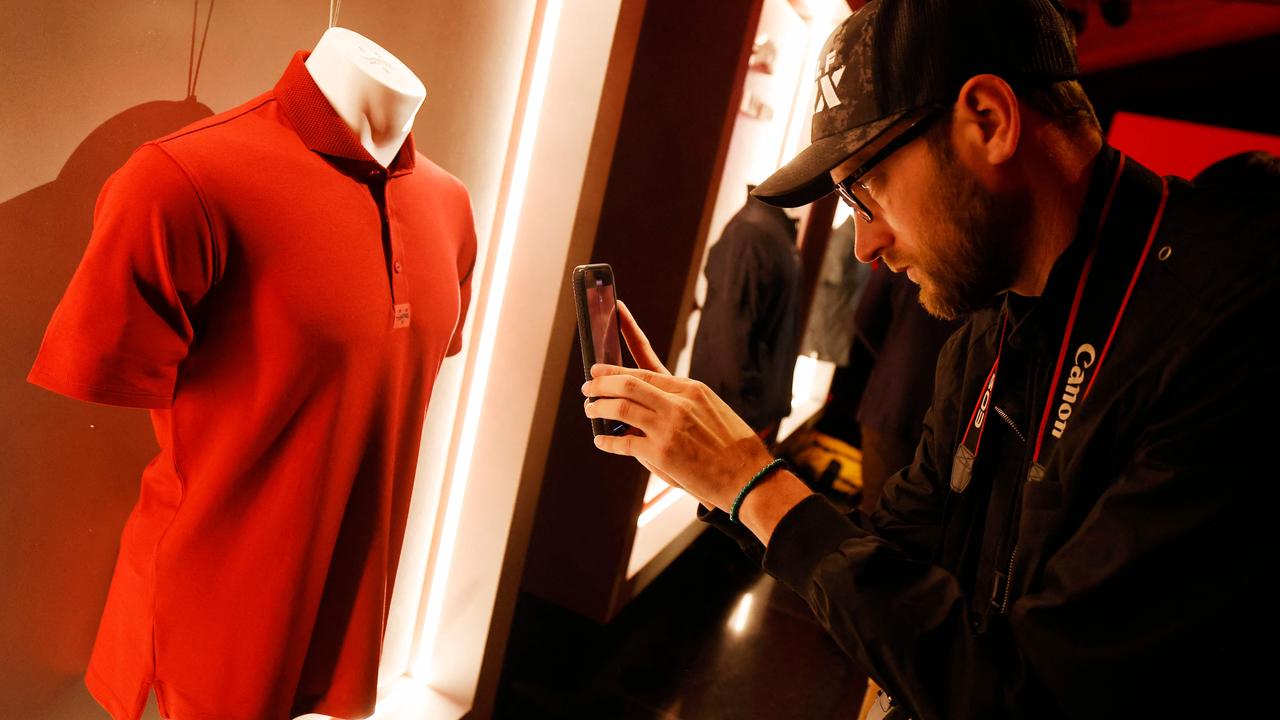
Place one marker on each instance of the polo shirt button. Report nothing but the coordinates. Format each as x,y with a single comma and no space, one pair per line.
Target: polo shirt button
399,267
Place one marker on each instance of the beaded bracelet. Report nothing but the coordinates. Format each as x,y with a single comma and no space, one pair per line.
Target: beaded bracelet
737,502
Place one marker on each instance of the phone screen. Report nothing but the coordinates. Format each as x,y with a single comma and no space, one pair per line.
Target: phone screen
603,311
598,318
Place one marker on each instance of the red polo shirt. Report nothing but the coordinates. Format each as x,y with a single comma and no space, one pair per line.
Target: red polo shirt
282,304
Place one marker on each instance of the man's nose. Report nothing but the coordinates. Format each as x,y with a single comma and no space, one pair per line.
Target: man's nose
870,239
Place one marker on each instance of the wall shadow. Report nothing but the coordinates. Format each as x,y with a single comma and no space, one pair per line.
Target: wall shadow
69,470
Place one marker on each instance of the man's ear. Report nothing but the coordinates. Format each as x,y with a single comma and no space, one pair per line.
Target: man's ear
987,122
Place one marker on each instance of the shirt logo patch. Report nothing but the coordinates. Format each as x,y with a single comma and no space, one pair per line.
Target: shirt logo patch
401,316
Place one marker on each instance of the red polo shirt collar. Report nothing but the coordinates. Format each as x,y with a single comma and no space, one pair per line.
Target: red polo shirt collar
323,130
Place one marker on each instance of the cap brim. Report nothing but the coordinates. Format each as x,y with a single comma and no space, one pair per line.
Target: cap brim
807,177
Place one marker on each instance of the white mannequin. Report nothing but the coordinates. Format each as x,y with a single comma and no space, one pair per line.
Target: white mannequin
372,91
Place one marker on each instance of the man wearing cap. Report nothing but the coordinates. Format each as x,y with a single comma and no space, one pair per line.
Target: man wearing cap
1084,529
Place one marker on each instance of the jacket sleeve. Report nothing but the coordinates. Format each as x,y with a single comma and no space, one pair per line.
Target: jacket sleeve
1155,593
821,553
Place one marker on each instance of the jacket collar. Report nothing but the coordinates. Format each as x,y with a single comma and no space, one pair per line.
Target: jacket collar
1034,320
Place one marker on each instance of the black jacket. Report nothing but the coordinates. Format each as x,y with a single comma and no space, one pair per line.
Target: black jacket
749,329
1127,580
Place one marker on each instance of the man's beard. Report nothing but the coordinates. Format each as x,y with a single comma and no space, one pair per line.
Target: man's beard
974,242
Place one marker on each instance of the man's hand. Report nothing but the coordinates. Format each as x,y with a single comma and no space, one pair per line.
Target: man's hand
685,431
681,430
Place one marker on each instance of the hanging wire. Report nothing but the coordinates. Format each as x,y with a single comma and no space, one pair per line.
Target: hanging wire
194,60
334,9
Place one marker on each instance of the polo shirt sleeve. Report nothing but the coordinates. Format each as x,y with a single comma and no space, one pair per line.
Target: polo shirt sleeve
124,324
467,255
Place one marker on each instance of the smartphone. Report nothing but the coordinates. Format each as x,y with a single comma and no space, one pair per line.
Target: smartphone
595,295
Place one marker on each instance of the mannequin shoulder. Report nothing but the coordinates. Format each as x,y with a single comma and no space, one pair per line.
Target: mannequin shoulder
217,119
151,178
440,179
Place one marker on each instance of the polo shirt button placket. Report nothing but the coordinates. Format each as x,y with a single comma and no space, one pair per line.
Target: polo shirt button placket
400,310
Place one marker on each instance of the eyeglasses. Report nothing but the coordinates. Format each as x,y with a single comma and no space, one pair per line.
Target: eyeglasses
845,186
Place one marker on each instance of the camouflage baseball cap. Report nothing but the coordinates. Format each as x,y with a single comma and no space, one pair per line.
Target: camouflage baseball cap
892,57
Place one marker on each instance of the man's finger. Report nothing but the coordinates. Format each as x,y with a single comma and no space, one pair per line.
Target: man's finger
637,343
629,445
630,387
662,381
626,410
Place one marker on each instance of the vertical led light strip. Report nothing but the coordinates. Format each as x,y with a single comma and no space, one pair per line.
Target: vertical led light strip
489,333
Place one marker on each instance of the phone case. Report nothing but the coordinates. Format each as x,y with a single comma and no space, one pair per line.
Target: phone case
599,426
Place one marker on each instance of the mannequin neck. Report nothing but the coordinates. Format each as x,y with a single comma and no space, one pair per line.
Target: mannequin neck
372,91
